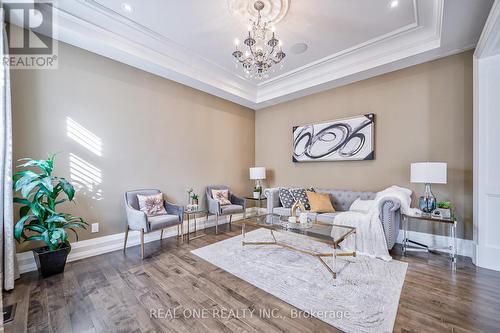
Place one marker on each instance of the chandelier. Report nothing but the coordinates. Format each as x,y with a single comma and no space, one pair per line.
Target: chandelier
261,54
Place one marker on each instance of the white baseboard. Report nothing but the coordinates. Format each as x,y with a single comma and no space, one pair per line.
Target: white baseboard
465,247
95,246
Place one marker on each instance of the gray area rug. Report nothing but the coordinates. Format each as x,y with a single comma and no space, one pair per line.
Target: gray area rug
363,298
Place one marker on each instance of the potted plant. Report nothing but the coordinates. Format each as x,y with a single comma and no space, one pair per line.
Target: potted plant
444,208
194,199
39,216
257,192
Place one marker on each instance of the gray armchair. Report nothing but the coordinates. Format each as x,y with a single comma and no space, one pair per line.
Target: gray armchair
138,220
238,205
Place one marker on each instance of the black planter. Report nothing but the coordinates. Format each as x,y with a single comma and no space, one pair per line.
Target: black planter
51,262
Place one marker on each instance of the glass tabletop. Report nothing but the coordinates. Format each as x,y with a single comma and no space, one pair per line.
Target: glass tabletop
315,229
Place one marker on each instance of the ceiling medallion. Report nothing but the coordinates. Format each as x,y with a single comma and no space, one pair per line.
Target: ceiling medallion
261,54
274,10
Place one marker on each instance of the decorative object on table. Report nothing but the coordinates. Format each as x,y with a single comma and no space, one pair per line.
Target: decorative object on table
189,191
320,202
192,208
258,174
443,210
39,214
428,173
297,206
339,140
236,204
264,50
257,192
139,221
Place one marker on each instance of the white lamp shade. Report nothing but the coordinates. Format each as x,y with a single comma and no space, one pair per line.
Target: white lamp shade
258,173
428,173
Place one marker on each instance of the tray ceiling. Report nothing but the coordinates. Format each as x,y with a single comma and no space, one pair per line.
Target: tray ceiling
191,41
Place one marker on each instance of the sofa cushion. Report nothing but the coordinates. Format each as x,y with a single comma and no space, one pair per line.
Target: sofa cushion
299,194
342,200
231,209
162,221
286,197
320,202
327,217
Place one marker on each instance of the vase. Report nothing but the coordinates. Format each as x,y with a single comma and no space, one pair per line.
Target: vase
194,201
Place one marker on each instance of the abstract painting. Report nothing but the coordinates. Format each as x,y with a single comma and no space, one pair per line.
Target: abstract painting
338,140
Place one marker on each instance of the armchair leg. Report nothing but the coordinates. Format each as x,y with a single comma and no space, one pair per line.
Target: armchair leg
161,235
216,222
125,243
230,218
142,243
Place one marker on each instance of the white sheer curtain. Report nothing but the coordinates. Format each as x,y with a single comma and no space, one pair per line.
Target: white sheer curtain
7,242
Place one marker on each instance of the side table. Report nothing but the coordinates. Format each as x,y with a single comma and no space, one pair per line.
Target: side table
259,200
451,223
191,214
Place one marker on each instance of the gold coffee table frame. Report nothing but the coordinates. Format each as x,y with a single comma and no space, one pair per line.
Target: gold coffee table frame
334,243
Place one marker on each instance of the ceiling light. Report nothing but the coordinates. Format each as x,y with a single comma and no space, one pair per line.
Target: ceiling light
263,50
393,3
127,7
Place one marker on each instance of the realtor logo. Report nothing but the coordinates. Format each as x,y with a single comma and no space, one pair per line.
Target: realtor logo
30,34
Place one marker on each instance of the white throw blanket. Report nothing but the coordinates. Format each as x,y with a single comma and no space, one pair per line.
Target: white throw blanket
370,237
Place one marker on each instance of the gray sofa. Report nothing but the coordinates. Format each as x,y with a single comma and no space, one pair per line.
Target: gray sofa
389,208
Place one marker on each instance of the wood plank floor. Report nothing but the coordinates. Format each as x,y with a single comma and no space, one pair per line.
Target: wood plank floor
114,292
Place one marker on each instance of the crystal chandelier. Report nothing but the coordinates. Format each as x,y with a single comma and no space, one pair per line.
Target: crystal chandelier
261,54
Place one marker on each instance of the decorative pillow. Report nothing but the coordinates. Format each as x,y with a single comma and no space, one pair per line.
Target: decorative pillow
222,196
362,206
320,203
286,198
299,194
152,205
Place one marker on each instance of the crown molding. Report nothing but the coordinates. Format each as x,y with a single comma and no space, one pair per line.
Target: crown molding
123,40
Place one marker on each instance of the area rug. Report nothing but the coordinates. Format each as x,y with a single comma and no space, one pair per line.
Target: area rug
363,298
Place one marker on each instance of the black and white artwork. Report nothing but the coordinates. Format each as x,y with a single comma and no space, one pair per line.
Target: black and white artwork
338,140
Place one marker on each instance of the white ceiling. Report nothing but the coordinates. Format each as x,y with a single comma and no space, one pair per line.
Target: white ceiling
191,41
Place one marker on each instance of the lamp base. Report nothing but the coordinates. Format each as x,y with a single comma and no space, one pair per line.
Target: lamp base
427,202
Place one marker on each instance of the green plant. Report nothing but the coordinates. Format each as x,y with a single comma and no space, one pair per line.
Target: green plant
444,204
194,196
257,189
38,215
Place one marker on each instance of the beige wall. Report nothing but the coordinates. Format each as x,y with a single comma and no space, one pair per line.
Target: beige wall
154,133
423,113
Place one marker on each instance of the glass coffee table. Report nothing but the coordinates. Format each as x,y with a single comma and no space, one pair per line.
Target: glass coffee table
314,230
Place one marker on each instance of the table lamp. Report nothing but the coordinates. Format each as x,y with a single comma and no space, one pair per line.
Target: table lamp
258,174
428,173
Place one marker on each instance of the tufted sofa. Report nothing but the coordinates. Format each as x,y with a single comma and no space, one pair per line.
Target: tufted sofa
390,213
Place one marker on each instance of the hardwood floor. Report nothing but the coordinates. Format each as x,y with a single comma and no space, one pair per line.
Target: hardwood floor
114,292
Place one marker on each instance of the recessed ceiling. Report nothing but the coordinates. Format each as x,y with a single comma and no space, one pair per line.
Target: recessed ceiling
191,41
